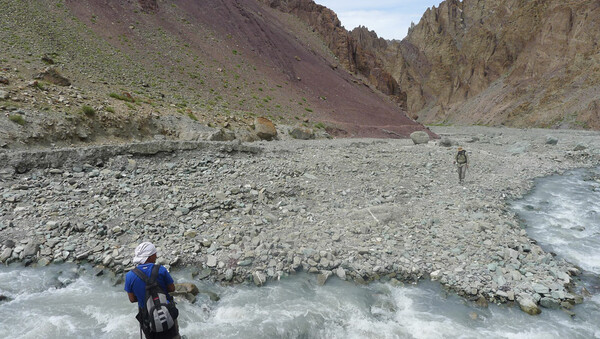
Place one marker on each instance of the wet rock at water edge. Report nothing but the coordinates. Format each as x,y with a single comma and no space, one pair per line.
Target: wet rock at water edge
259,278
187,290
228,274
212,295
6,254
322,277
341,273
549,303
205,273
528,305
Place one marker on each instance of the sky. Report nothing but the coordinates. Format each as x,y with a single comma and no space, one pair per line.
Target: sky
390,19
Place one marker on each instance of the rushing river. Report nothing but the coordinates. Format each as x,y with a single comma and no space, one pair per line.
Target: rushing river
561,213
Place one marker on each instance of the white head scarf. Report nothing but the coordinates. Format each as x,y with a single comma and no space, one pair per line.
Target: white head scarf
142,252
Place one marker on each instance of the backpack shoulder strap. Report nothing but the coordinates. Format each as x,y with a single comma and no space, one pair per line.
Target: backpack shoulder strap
154,274
141,275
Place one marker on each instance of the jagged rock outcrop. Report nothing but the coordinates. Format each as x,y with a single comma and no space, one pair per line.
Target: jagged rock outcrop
350,48
149,6
515,62
521,63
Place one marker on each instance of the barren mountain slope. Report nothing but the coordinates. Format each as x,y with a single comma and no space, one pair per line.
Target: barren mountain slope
217,61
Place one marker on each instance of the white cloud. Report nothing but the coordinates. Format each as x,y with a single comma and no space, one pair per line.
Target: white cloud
390,19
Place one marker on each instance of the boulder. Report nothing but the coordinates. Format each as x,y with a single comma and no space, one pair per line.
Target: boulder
246,135
580,147
446,142
52,76
259,278
519,148
4,95
183,288
322,277
550,303
435,275
149,6
190,234
30,250
541,289
222,135
212,295
264,128
341,273
188,291
551,140
528,306
419,137
5,254
228,274
211,261
302,133
4,81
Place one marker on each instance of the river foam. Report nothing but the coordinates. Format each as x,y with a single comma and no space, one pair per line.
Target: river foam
85,306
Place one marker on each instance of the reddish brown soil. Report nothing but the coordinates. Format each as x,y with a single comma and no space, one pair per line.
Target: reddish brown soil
267,39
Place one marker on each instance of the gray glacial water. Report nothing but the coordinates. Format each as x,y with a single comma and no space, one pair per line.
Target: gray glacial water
561,213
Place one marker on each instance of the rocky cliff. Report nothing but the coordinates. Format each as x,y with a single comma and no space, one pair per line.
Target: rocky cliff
515,62
348,47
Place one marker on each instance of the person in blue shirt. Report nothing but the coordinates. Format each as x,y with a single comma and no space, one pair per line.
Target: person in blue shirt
145,259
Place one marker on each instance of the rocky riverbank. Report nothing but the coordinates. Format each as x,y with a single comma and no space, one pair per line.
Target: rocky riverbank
360,209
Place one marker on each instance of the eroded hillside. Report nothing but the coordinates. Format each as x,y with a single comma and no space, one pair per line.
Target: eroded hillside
190,63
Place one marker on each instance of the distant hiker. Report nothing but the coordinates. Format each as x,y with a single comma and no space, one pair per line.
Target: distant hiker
149,285
462,163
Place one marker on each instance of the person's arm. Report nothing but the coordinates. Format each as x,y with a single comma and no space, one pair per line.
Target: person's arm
168,280
129,288
132,297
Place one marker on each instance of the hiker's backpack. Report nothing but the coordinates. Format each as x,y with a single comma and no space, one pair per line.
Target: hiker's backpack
461,157
159,312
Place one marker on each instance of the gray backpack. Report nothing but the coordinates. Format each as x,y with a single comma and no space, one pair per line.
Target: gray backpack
159,313
461,157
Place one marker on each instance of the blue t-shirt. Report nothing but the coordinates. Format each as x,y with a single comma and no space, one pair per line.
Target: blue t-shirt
135,285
